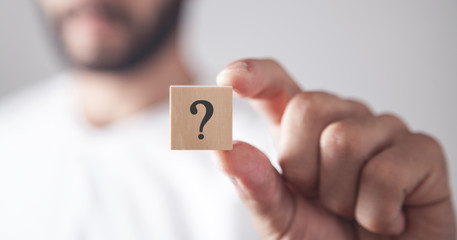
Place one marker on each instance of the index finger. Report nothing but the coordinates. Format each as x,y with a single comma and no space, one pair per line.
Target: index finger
264,82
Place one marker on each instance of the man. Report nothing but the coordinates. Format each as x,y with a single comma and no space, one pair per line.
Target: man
84,156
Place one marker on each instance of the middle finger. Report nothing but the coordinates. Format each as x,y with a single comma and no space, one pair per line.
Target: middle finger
304,119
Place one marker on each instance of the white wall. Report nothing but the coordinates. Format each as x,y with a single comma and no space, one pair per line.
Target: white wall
398,56
26,55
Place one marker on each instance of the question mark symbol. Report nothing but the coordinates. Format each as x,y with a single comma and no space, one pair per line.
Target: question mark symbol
208,114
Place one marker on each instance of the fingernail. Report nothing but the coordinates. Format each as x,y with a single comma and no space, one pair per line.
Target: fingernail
237,67
236,75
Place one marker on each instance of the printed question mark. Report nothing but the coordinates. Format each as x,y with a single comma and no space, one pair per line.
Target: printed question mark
208,114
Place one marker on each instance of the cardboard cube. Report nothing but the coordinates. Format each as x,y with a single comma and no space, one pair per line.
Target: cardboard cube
201,118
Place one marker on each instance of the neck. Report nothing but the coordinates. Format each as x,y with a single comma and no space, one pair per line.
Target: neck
108,97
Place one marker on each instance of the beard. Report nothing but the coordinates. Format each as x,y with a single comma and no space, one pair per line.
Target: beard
143,39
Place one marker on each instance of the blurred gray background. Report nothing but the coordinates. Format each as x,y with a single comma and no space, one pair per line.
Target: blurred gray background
398,56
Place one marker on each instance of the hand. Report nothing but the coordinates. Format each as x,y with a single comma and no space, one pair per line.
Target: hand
346,173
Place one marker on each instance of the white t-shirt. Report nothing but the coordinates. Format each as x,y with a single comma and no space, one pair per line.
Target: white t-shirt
62,179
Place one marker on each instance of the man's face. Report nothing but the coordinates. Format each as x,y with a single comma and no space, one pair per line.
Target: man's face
111,34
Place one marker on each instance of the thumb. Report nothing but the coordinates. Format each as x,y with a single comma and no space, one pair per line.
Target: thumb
261,187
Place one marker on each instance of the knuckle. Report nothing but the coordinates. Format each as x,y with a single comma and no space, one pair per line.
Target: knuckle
305,106
433,149
430,142
340,140
394,120
313,107
362,107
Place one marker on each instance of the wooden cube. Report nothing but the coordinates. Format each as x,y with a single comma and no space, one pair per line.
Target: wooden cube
201,118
